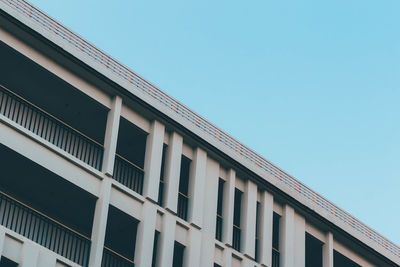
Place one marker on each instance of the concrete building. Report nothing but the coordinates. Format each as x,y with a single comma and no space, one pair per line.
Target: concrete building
101,168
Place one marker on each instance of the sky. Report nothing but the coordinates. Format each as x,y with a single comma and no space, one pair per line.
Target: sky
311,85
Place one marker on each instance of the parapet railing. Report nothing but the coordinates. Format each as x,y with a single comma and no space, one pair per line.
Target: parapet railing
128,174
54,27
219,227
183,202
114,259
44,230
275,257
50,128
236,237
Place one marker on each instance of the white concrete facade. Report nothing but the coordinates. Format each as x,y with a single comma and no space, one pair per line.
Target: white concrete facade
197,234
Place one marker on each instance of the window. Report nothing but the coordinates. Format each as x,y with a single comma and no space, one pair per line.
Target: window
257,246
179,251
236,219
162,178
313,251
155,249
218,232
275,240
183,198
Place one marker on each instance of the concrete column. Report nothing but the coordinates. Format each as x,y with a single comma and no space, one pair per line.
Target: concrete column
249,214
299,240
210,197
193,250
327,251
166,241
100,224
2,238
227,257
286,237
152,160
196,187
266,222
111,136
172,171
30,255
228,206
145,235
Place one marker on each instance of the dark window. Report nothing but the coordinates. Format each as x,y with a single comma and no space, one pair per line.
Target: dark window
218,231
155,249
5,262
257,247
183,198
179,251
161,187
217,265
236,238
275,231
313,251
341,261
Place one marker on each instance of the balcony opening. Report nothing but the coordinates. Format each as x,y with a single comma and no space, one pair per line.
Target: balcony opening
313,251
183,194
340,260
51,108
219,225
129,160
120,240
5,262
275,240
236,239
161,187
45,208
179,251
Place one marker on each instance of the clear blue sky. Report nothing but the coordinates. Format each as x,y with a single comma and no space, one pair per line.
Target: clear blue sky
313,86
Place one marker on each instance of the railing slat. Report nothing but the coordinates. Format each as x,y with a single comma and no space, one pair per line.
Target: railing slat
128,174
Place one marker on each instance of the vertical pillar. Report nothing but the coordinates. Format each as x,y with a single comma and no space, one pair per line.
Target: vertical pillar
228,206
227,257
196,187
2,238
100,224
193,250
299,240
145,235
327,251
249,213
172,171
111,136
167,241
210,197
286,238
152,160
30,255
266,223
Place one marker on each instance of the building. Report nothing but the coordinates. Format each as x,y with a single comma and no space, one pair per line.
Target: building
101,168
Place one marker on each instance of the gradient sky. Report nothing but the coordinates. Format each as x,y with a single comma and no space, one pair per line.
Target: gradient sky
313,86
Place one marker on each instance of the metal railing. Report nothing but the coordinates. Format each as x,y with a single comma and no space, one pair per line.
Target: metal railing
218,229
80,44
51,129
183,201
236,238
114,259
128,174
275,257
44,230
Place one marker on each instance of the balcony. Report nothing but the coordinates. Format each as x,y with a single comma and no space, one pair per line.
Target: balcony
275,257
44,230
236,240
120,239
183,202
129,159
113,259
50,128
128,174
38,204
